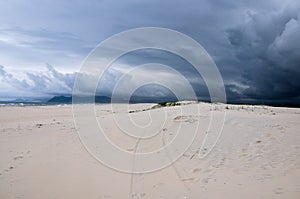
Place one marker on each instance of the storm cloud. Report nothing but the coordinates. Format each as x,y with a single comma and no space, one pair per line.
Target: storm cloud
255,44
267,49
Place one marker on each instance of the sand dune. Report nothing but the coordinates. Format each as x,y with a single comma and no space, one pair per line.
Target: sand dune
256,156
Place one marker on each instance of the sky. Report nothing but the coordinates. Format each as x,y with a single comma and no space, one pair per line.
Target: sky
255,44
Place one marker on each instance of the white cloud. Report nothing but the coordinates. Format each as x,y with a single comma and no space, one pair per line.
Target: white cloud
36,84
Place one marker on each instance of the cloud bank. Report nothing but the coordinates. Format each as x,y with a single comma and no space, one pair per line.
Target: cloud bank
36,85
266,48
255,44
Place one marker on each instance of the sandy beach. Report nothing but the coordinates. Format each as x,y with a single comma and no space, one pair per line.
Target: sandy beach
256,156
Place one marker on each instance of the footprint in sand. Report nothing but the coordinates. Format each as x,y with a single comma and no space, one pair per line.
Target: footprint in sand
196,170
205,180
187,119
18,157
278,190
187,179
9,169
141,195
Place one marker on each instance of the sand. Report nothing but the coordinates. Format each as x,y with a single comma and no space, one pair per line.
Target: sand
256,156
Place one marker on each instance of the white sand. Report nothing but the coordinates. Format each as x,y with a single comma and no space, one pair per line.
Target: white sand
257,155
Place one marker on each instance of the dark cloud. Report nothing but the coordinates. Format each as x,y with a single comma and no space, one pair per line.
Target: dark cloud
255,44
268,51
139,57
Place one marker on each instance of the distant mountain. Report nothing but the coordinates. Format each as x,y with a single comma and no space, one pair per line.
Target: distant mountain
20,100
68,99
24,100
102,99
60,99
145,99
105,99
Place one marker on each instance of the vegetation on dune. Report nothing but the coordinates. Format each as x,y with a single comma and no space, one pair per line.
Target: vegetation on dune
166,104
